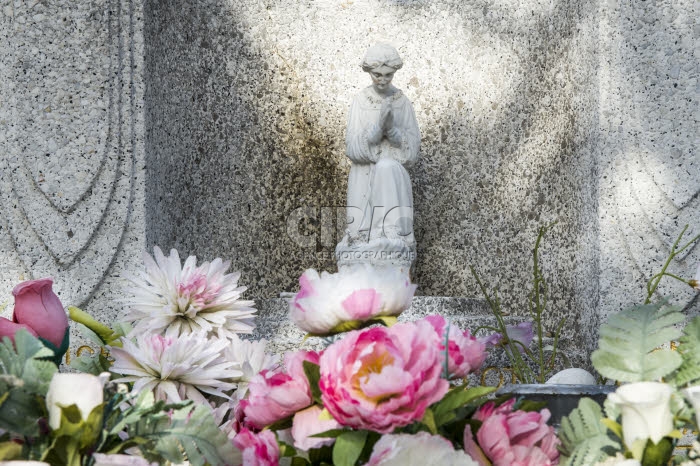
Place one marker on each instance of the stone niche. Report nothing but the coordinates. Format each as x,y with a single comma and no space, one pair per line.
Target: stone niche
217,127
246,104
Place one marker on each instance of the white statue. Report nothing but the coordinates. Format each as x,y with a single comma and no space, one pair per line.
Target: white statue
382,136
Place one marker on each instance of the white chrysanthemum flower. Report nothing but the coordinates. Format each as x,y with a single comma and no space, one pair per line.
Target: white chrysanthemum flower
173,299
250,358
176,369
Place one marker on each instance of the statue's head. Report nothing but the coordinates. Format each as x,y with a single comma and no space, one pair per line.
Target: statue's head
381,62
381,54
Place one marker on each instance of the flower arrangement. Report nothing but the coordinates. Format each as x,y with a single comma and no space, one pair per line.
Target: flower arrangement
658,387
180,384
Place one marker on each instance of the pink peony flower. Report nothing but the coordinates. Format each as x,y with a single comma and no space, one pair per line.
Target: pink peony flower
258,449
307,423
37,309
513,438
417,450
327,300
382,378
275,395
465,353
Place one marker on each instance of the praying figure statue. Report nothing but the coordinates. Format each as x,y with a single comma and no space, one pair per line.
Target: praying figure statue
382,137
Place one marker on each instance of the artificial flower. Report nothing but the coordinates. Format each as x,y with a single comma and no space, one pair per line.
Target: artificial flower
65,389
173,299
308,422
692,394
277,394
259,449
465,353
326,301
39,311
514,438
120,460
619,460
250,358
522,334
646,410
695,282
382,378
176,368
421,449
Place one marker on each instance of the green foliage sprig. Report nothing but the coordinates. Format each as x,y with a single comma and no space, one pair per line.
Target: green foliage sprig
544,357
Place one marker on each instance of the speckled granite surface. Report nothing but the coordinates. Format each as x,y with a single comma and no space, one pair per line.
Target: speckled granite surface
71,145
246,104
650,163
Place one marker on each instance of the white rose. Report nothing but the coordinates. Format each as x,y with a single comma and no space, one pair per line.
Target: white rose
65,389
646,410
119,460
693,395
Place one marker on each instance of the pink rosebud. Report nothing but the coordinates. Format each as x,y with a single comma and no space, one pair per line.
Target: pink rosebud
514,438
274,395
9,328
39,309
307,423
464,352
258,449
382,378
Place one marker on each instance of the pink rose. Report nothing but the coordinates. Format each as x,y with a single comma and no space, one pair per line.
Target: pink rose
307,423
258,449
382,378
37,309
465,353
513,438
277,394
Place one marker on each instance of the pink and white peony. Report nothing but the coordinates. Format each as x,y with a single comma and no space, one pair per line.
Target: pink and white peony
382,378
259,449
417,450
308,422
173,299
465,352
176,369
277,394
326,301
513,438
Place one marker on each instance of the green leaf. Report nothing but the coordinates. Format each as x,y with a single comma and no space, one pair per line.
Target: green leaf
90,364
176,432
628,348
313,373
456,398
689,349
10,451
583,436
105,335
348,447
657,453
429,421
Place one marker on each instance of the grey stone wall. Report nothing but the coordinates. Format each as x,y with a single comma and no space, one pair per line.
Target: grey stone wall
650,168
246,104
71,145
